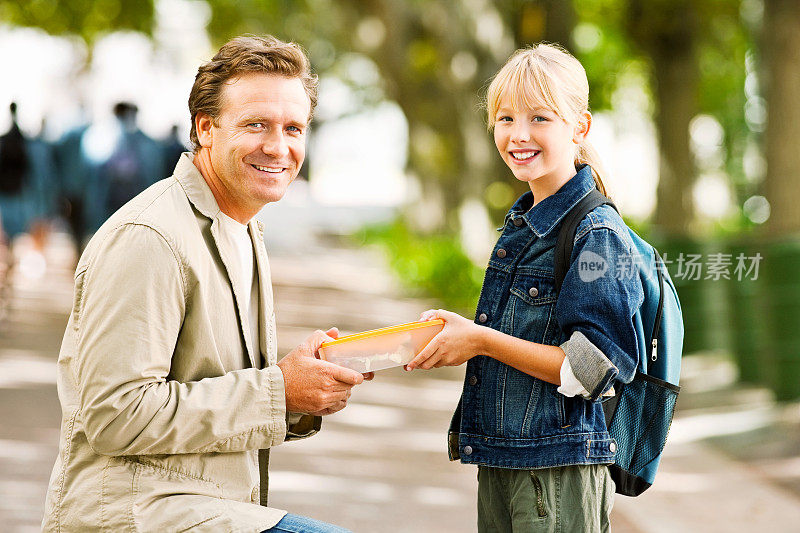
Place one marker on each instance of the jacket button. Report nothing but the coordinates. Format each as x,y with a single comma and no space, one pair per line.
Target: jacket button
482,318
518,222
612,447
473,380
467,450
501,253
534,292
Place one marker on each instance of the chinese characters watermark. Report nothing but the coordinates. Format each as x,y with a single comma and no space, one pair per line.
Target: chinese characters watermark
715,266
690,267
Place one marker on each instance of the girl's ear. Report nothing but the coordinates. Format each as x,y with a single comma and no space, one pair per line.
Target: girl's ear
582,127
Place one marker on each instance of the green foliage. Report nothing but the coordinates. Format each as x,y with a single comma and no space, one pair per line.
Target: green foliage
86,18
603,48
414,45
434,266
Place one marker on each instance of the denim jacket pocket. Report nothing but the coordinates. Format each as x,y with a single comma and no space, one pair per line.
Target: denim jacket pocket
530,313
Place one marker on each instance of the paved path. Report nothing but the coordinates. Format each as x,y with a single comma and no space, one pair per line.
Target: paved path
29,410
380,465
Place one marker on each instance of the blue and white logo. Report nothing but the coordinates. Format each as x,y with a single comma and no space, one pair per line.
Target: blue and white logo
591,266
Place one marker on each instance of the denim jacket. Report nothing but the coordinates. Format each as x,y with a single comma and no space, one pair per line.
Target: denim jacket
509,419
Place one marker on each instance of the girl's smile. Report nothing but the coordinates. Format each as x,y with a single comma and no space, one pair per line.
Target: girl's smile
523,157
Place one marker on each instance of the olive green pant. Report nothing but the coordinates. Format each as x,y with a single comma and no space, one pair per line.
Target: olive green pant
562,499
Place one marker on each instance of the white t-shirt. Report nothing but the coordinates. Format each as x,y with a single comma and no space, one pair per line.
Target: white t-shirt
570,386
238,238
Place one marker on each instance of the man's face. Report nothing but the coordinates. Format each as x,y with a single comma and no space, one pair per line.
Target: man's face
257,145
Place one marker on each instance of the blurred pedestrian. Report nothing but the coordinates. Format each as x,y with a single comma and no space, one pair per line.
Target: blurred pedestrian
540,359
27,185
16,206
74,170
44,188
130,166
169,383
133,164
172,148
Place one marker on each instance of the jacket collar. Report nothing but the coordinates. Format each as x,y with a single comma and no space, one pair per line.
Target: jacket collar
546,215
195,186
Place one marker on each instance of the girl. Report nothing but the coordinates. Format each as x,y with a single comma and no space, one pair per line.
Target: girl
540,361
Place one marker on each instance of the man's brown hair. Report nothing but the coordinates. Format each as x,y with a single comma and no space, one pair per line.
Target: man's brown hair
242,55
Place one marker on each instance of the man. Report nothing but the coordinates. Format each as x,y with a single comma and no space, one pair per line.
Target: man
168,380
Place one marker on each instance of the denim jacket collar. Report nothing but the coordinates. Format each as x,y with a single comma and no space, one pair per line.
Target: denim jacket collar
545,215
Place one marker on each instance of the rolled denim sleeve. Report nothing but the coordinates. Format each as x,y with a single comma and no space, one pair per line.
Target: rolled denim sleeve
598,299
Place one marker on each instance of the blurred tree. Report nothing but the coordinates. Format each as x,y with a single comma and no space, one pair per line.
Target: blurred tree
723,46
535,21
693,53
80,17
666,30
781,56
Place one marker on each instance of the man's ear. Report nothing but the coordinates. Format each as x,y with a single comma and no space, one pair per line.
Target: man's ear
203,124
582,127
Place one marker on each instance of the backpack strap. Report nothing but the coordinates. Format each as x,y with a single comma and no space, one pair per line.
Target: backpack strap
563,254
569,225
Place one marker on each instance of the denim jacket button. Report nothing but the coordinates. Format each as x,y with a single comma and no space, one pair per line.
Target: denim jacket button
473,380
518,222
501,253
467,450
612,447
534,292
482,318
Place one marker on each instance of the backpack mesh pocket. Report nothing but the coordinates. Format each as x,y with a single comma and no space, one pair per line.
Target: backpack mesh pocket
641,421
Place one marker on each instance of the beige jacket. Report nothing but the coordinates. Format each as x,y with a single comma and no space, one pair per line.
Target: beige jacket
164,409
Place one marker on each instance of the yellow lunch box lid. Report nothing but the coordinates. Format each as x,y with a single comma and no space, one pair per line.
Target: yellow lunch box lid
383,331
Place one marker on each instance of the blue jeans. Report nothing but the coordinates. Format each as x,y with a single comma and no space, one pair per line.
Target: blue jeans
292,523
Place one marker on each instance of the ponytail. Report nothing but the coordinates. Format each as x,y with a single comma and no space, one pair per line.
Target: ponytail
589,156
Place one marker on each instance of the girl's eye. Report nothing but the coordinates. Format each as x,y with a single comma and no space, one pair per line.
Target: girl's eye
539,118
504,119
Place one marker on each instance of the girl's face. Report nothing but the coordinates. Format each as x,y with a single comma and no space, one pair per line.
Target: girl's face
538,145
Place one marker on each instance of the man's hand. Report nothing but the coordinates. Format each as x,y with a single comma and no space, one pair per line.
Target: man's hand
315,386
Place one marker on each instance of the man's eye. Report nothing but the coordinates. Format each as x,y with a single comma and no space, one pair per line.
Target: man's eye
294,129
256,125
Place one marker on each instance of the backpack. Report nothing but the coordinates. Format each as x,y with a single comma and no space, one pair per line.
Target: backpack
639,415
13,161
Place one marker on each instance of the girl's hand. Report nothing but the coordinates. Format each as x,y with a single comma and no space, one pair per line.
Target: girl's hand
458,342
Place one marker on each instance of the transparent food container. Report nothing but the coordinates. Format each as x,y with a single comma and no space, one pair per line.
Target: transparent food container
381,348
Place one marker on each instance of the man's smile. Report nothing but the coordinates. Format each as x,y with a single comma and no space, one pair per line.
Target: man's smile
271,169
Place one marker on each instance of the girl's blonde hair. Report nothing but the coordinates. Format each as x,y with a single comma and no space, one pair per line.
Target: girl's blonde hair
545,75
